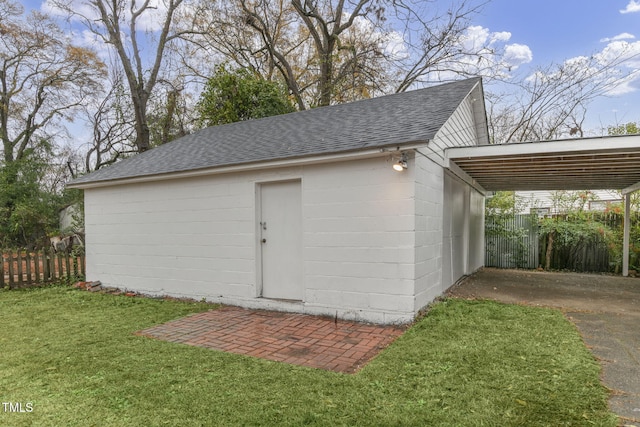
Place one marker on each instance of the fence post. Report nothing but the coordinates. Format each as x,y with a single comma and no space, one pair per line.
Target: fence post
58,274
28,264
67,265
36,266
626,231
46,266
2,269
19,265
11,281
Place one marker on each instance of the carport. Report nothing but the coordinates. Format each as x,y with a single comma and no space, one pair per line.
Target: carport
602,163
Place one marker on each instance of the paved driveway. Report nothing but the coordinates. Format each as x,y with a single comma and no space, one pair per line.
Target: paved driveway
606,310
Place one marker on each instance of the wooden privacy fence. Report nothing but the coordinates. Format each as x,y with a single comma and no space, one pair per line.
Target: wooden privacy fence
583,256
515,246
518,243
22,268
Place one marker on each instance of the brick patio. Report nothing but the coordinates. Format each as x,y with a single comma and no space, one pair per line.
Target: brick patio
298,339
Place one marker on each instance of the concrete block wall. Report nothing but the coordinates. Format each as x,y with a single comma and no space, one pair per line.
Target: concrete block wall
429,187
196,238
189,237
359,240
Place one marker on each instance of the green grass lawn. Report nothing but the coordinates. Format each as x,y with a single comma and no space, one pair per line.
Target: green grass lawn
73,355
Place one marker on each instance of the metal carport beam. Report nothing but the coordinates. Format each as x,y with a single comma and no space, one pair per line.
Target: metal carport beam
626,193
576,164
632,188
626,233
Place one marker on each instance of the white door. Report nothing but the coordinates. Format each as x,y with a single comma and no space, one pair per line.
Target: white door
281,240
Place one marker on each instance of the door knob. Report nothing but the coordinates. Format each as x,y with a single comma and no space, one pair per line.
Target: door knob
264,240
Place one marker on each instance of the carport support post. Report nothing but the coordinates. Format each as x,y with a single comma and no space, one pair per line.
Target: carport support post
627,228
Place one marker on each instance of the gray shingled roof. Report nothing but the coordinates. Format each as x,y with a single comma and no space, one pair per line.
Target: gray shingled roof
391,120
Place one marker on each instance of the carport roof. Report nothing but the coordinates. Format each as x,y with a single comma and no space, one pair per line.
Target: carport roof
572,164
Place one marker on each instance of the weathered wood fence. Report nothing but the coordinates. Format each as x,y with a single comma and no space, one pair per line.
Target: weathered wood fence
517,246
520,244
583,256
23,268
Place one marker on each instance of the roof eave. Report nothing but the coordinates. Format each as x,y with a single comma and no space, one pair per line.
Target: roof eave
244,167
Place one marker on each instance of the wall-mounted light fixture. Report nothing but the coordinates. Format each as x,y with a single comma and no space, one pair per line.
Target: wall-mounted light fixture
401,164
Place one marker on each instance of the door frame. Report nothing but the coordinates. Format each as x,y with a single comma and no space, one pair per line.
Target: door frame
257,224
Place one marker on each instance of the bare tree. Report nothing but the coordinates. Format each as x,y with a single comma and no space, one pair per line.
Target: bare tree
552,101
43,78
330,51
113,127
435,44
133,29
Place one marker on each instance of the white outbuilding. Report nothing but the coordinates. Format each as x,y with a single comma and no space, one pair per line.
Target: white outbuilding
303,212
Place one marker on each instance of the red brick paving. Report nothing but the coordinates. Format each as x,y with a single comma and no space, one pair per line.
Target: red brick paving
298,339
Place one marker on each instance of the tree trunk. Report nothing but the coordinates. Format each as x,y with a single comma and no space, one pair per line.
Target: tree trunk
142,127
142,137
547,261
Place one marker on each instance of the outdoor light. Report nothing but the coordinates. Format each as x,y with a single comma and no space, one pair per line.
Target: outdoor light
401,164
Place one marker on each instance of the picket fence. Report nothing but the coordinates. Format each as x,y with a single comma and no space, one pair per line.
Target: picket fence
26,268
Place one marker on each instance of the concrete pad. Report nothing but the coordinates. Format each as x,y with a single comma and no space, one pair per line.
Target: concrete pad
604,308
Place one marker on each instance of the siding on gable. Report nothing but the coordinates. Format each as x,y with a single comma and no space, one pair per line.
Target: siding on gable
545,199
458,130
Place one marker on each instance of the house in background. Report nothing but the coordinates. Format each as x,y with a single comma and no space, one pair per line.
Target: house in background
347,210
67,218
545,203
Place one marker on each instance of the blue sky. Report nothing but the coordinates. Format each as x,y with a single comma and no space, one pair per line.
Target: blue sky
557,30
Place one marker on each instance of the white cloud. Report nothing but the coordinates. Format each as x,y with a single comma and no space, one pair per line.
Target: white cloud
622,36
394,45
633,6
496,54
621,52
617,66
475,37
153,18
517,54
626,85
149,21
502,36
79,7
